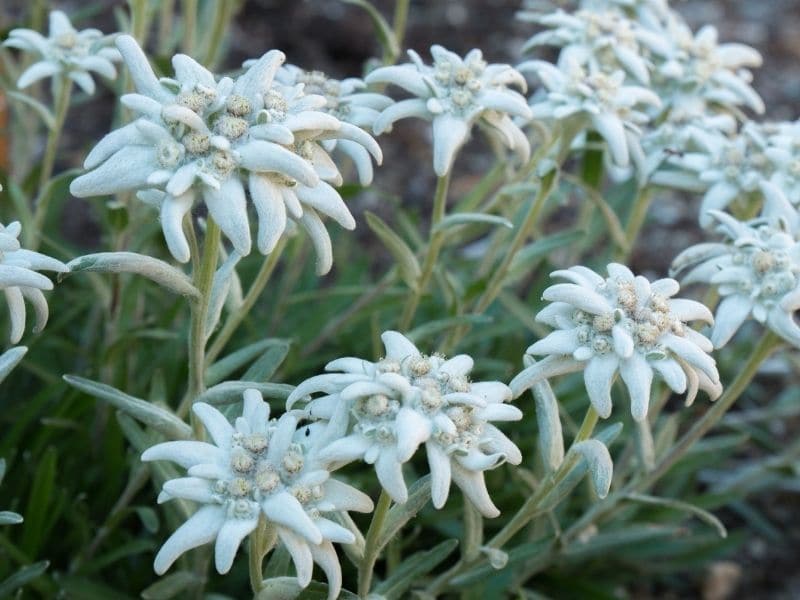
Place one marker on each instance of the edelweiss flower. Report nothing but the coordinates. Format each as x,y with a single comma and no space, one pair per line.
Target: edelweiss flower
200,135
382,412
699,66
257,467
66,50
627,324
735,167
756,270
600,40
20,281
348,101
455,94
613,109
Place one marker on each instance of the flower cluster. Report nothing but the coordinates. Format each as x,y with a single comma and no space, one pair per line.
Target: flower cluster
756,270
257,468
622,323
383,412
200,135
76,54
20,281
348,101
455,94
687,89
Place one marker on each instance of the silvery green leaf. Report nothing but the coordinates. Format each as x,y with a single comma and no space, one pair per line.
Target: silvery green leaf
497,558
600,465
264,368
418,496
354,551
524,553
413,568
644,445
407,262
39,108
23,576
158,418
171,586
228,365
10,518
696,511
231,391
469,218
10,359
154,269
220,288
551,437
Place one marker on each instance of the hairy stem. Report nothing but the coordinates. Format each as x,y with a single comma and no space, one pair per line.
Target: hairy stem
367,566
236,317
434,248
202,277
61,107
636,220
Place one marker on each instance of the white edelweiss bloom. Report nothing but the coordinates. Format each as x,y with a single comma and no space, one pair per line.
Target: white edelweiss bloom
736,167
77,54
354,106
756,269
454,94
383,412
20,281
600,40
698,65
257,467
622,323
615,110
218,138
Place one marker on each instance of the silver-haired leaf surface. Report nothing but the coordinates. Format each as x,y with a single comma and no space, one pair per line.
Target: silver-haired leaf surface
154,269
159,419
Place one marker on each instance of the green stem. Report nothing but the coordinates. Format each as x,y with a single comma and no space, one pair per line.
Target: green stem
495,285
766,346
61,107
236,317
636,220
202,278
473,532
365,569
400,21
434,247
189,12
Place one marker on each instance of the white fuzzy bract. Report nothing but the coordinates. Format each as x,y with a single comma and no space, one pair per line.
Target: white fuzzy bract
258,467
77,54
756,269
455,94
349,101
383,412
622,324
20,281
198,135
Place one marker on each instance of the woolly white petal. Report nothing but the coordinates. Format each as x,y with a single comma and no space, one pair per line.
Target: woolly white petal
228,207
400,110
229,538
449,134
731,313
412,429
638,377
598,376
37,71
271,211
301,555
473,485
16,312
390,474
284,509
199,529
128,169
439,464
398,347
185,453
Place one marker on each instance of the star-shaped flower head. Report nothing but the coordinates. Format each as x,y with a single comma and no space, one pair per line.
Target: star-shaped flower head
257,466
215,138
698,65
756,269
622,324
350,102
601,41
735,167
382,412
77,54
609,106
455,94
20,281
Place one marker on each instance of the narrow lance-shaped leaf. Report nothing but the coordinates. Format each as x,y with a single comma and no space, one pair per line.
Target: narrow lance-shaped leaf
407,262
154,269
158,418
470,219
